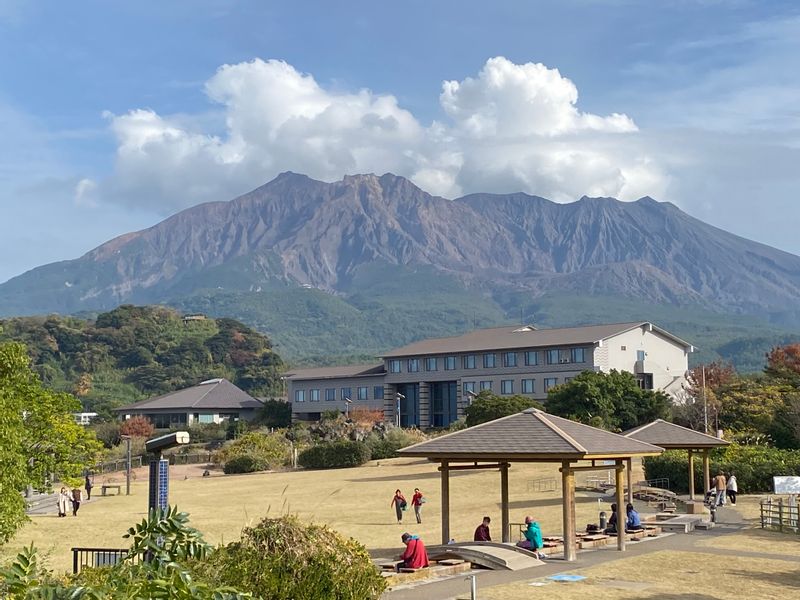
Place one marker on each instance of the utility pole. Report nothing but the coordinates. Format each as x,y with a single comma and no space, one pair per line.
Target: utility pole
705,401
127,439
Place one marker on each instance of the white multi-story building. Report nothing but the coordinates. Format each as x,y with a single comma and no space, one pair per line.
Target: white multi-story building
428,382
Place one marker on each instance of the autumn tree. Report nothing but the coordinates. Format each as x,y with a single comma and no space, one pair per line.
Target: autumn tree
137,426
783,363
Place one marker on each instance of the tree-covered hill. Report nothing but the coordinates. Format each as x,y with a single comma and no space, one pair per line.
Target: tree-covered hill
133,353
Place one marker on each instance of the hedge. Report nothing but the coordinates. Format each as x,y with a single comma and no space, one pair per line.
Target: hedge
754,467
245,463
335,455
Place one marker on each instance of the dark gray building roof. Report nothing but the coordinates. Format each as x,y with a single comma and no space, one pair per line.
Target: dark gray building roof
527,336
212,394
669,435
532,435
336,372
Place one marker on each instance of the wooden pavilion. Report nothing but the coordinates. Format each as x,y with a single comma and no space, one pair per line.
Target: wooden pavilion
675,437
532,436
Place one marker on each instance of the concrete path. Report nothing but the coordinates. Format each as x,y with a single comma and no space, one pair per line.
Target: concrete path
458,586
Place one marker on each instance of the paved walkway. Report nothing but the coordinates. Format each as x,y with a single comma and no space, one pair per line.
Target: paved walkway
458,586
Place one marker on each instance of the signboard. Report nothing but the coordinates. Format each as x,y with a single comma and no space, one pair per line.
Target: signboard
787,484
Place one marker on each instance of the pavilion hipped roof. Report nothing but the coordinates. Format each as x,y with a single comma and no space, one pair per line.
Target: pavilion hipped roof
532,435
671,436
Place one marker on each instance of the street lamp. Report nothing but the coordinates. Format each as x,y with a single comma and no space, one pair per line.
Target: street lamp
347,403
398,396
470,397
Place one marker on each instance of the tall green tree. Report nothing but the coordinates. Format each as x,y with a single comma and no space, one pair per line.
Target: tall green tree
38,436
488,406
612,400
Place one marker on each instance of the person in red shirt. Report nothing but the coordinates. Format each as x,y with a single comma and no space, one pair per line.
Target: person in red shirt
415,555
482,532
416,502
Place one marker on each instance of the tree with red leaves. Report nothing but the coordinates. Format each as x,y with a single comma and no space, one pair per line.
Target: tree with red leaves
137,426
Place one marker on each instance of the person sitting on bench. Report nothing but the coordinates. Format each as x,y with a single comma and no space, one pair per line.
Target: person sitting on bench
533,536
482,532
415,555
611,526
633,523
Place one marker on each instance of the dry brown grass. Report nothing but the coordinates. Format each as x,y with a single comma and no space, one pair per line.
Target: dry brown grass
667,575
353,501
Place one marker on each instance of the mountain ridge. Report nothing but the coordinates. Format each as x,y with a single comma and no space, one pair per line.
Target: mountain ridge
507,249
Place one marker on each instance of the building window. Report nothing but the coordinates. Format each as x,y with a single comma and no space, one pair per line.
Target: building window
552,356
413,365
486,385
567,379
363,393
489,361
229,416
549,383
394,366
469,386
509,359
205,418
299,395
330,394
578,355
377,392
531,358
346,393
314,396
167,420
528,386
431,364
469,361
449,363
640,355
507,386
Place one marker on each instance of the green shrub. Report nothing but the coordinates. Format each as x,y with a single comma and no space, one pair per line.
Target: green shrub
392,441
244,463
283,559
335,455
270,449
207,432
382,448
754,466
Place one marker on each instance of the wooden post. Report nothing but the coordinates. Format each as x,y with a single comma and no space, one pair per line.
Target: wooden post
706,472
691,475
568,505
630,479
445,502
504,501
622,515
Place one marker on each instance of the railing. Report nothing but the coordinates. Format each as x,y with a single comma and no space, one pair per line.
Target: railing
544,484
661,482
121,464
96,557
780,514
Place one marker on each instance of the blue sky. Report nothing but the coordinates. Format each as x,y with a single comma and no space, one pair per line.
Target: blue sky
114,116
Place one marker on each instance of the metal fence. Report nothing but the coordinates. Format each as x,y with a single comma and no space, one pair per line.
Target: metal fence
544,484
137,461
780,514
96,557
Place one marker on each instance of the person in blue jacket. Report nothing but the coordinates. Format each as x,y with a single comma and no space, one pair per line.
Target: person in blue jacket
633,521
533,536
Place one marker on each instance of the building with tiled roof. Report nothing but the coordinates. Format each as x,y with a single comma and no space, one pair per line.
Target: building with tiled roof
428,383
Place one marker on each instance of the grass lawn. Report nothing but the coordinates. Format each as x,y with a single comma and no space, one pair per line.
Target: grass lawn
352,501
666,575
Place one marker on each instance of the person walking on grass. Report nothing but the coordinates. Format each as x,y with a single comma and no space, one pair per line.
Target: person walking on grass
417,501
732,488
77,497
63,501
88,485
399,503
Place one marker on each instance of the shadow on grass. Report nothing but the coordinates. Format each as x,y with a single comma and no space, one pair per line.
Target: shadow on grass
787,579
679,596
554,501
412,478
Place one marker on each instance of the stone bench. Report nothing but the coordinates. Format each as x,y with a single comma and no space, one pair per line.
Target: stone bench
110,486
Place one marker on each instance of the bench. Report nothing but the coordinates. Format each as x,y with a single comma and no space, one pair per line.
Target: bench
109,486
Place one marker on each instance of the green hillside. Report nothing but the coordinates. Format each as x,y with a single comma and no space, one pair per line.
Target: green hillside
133,353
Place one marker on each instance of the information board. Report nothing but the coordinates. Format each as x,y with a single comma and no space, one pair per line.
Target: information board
787,484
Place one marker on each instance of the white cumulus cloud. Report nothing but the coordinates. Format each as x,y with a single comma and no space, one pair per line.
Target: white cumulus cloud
512,127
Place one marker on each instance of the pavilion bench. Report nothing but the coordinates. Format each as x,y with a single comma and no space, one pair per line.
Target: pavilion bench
109,486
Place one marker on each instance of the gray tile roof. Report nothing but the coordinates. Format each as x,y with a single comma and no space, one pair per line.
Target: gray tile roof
212,394
530,435
517,336
669,435
331,372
